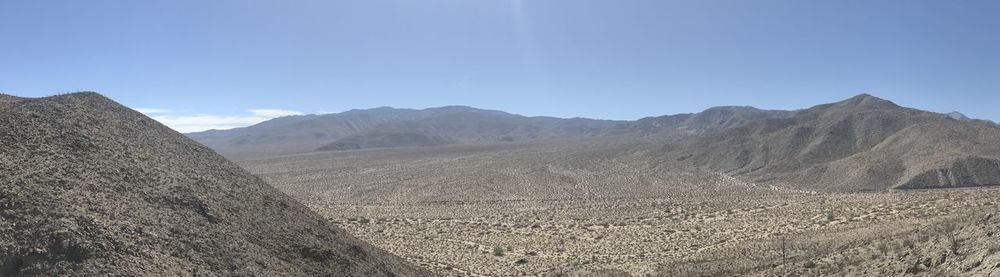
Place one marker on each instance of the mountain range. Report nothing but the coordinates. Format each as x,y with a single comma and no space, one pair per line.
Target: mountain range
388,127
859,144
864,143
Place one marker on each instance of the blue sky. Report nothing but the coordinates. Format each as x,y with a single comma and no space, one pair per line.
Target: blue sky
199,64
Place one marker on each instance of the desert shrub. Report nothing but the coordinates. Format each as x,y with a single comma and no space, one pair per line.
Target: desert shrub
947,230
993,247
909,244
882,248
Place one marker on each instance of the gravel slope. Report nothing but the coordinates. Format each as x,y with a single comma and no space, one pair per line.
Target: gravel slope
89,187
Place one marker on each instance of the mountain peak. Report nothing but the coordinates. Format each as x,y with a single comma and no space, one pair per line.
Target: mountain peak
458,108
865,100
72,95
866,97
731,108
81,95
958,116
375,109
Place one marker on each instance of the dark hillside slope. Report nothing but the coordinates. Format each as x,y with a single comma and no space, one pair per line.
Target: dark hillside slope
91,188
863,143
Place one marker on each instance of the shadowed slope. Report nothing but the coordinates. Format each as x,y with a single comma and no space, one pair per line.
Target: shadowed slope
89,187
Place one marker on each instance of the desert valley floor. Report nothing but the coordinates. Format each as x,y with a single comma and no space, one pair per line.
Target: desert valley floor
534,209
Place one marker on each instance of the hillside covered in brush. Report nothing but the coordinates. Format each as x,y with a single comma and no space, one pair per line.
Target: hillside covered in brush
91,188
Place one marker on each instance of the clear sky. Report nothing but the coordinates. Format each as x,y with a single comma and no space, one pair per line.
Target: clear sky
199,64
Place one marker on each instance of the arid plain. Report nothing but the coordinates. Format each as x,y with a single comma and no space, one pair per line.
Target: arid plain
542,208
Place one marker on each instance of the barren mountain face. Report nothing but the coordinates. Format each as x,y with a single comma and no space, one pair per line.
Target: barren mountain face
91,188
860,144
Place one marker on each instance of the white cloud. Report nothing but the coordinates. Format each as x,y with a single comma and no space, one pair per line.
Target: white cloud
273,113
152,110
203,122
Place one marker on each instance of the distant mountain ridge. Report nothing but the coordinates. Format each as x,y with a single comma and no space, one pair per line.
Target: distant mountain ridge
443,125
385,127
712,119
862,143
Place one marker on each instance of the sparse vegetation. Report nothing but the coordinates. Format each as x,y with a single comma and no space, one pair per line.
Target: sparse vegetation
732,228
645,206
498,251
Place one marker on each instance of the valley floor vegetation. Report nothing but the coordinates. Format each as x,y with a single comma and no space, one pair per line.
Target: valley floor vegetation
540,209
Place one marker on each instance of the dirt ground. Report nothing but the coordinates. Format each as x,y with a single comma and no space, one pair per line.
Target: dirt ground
521,210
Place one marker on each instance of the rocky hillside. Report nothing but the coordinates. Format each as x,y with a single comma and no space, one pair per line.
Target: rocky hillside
863,143
92,188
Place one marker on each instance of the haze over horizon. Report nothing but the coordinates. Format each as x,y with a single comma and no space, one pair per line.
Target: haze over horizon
207,65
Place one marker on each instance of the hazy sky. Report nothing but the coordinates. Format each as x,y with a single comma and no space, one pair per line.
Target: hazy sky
200,64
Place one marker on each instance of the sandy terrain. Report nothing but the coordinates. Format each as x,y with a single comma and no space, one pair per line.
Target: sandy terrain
520,209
